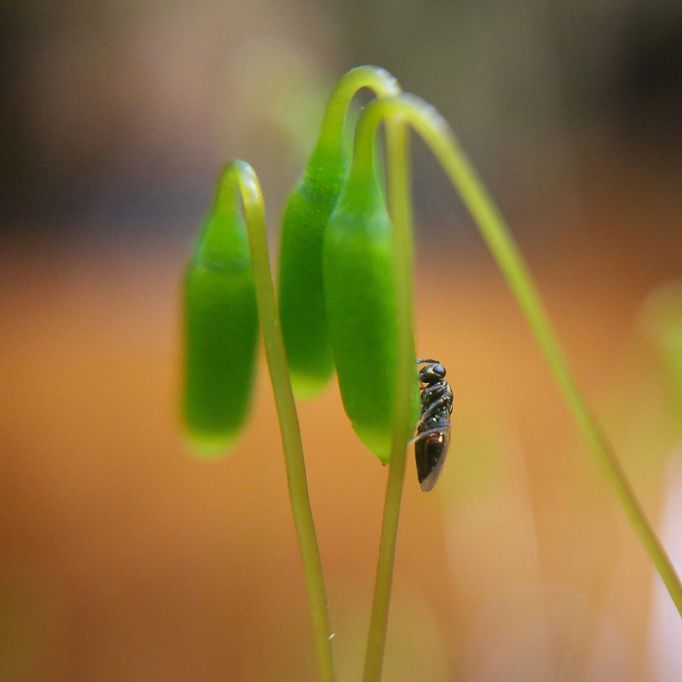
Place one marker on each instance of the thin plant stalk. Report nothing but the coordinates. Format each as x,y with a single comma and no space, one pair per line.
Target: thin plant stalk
240,175
400,211
437,134
380,81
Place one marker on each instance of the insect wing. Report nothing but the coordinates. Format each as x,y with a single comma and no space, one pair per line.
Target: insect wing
430,453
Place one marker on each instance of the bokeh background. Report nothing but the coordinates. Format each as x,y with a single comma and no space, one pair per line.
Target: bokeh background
121,557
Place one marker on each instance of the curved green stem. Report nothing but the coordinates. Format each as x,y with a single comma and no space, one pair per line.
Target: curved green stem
400,212
380,81
241,175
435,131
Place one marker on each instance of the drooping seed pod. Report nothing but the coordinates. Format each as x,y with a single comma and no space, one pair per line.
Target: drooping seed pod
359,285
221,330
301,296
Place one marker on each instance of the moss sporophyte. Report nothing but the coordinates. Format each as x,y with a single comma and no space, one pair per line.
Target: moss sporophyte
301,296
221,327
345,299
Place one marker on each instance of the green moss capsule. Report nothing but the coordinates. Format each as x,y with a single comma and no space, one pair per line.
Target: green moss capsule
301,298
221,328
301,295
361,309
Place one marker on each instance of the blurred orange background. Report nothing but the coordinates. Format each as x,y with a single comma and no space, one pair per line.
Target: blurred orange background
122,558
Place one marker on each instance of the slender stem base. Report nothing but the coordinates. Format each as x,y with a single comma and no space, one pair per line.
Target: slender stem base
400,211
242,175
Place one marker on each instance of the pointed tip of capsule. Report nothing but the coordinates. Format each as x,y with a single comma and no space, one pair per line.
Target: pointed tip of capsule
209,446
376,440
306,387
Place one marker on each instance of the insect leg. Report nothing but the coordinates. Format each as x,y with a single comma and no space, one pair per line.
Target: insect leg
430,432
423,361
437,389
432,409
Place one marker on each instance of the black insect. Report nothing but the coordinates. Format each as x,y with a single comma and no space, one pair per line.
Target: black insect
433,428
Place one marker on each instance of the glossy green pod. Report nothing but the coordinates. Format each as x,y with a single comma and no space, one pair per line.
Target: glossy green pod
359,288
221,333
301,295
